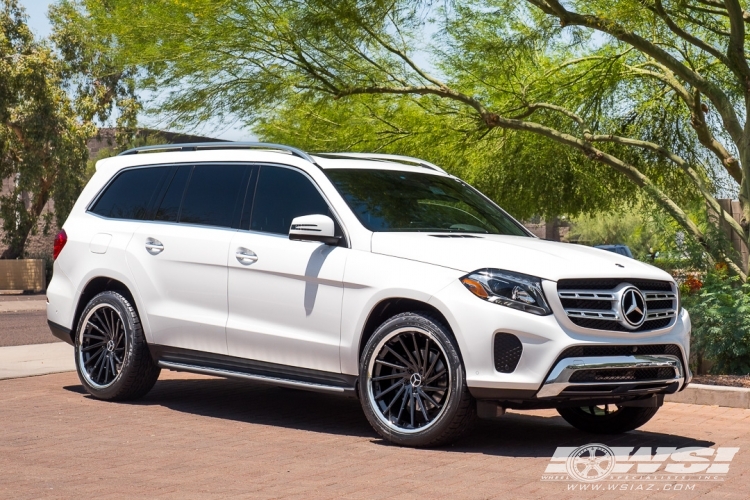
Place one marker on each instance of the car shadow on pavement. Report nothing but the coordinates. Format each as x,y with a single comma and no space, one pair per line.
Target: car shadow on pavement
513,435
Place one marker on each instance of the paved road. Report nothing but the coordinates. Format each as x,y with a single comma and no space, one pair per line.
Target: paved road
199,437
24,328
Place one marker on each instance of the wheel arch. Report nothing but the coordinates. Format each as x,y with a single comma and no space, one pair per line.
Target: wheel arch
94,287
392,306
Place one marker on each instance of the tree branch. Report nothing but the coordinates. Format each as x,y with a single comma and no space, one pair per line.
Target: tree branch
684,165
736,48
659,9
543,105
720,100
698,118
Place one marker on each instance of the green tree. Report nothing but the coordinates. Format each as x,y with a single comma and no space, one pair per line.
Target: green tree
655,92
42,145
43,131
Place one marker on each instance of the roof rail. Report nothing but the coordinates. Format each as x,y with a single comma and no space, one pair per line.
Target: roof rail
409,160
196,146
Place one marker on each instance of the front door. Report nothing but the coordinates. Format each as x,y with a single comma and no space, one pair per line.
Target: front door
284,296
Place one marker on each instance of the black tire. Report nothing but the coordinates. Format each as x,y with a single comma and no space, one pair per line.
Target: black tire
597,420
440,417
109,335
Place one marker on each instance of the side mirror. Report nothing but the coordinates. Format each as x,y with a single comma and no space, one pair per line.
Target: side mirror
314,228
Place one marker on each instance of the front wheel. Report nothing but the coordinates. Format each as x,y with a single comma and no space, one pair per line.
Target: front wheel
607,419
412,383
112,357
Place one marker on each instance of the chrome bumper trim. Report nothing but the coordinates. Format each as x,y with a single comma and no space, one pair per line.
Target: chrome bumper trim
559,379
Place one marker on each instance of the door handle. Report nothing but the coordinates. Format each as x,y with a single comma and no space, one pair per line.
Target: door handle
245,256
154,246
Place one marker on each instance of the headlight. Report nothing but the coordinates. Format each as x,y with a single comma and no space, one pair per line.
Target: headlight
516,290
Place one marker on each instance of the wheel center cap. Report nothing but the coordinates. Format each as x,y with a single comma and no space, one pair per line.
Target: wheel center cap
111,346
415,380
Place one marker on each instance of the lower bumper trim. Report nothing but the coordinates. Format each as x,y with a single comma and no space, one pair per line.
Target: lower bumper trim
60,332
562,378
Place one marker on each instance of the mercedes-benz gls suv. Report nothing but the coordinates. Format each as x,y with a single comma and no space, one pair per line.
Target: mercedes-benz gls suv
372,276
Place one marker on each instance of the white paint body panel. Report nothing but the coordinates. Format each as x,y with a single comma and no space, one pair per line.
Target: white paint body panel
305,304
185,286
285,308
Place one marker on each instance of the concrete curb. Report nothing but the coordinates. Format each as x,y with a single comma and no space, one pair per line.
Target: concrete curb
712,395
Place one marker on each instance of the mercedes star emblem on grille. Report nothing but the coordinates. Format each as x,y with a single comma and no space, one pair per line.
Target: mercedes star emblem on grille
633,307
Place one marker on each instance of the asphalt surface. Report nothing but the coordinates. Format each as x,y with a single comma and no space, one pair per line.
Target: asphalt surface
24,328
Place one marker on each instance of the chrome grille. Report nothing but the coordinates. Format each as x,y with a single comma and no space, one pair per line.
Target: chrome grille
597,304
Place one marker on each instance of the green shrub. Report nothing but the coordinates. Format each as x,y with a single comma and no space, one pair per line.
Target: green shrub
720,313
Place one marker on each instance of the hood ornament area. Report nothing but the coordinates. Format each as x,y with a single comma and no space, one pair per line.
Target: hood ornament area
632,308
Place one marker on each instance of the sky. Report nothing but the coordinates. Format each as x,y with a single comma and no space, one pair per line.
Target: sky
39,24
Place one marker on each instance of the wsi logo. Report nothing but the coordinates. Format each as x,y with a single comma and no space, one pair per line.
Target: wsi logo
598,462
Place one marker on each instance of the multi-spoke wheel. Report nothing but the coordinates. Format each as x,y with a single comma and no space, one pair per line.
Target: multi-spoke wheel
112,357
607,418
412,384
103,345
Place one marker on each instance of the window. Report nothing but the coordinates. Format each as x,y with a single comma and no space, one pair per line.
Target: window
169,209
281,195
213,194
131,193
392,200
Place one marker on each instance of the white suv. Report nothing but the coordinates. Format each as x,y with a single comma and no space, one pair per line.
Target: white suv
375,276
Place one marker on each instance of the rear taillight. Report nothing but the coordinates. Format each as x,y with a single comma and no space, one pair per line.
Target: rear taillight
60,240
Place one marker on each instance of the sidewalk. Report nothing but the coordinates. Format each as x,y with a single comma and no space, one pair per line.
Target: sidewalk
30,360
22,305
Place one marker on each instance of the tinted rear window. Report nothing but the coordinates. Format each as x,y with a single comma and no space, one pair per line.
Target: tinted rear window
130,194
213,194
169,209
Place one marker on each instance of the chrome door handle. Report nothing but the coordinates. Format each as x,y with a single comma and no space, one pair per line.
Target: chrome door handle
245,256
154,246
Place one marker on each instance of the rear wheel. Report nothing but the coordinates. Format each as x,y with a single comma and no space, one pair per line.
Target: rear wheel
412,383
607,419
112,357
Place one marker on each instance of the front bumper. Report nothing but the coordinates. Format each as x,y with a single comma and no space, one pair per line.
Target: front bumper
656,372
542,377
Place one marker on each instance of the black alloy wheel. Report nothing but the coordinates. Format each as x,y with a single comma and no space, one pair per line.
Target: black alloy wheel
412,383
112,357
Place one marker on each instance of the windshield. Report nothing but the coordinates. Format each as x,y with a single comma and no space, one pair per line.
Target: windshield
391,200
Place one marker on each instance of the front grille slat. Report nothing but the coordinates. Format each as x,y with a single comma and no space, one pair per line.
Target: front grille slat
593,303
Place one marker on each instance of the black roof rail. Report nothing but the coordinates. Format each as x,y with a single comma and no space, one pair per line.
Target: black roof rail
196,146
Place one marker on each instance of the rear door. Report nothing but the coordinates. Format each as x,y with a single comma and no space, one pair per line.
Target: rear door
285,300
179,260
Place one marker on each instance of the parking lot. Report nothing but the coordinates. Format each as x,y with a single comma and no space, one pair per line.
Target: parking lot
201,437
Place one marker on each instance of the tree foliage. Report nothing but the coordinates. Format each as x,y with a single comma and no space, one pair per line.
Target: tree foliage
720,312
43,131
569,106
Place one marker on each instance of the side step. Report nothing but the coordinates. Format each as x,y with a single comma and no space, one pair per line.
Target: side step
282,382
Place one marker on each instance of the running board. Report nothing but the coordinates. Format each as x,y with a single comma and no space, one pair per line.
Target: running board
282,382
